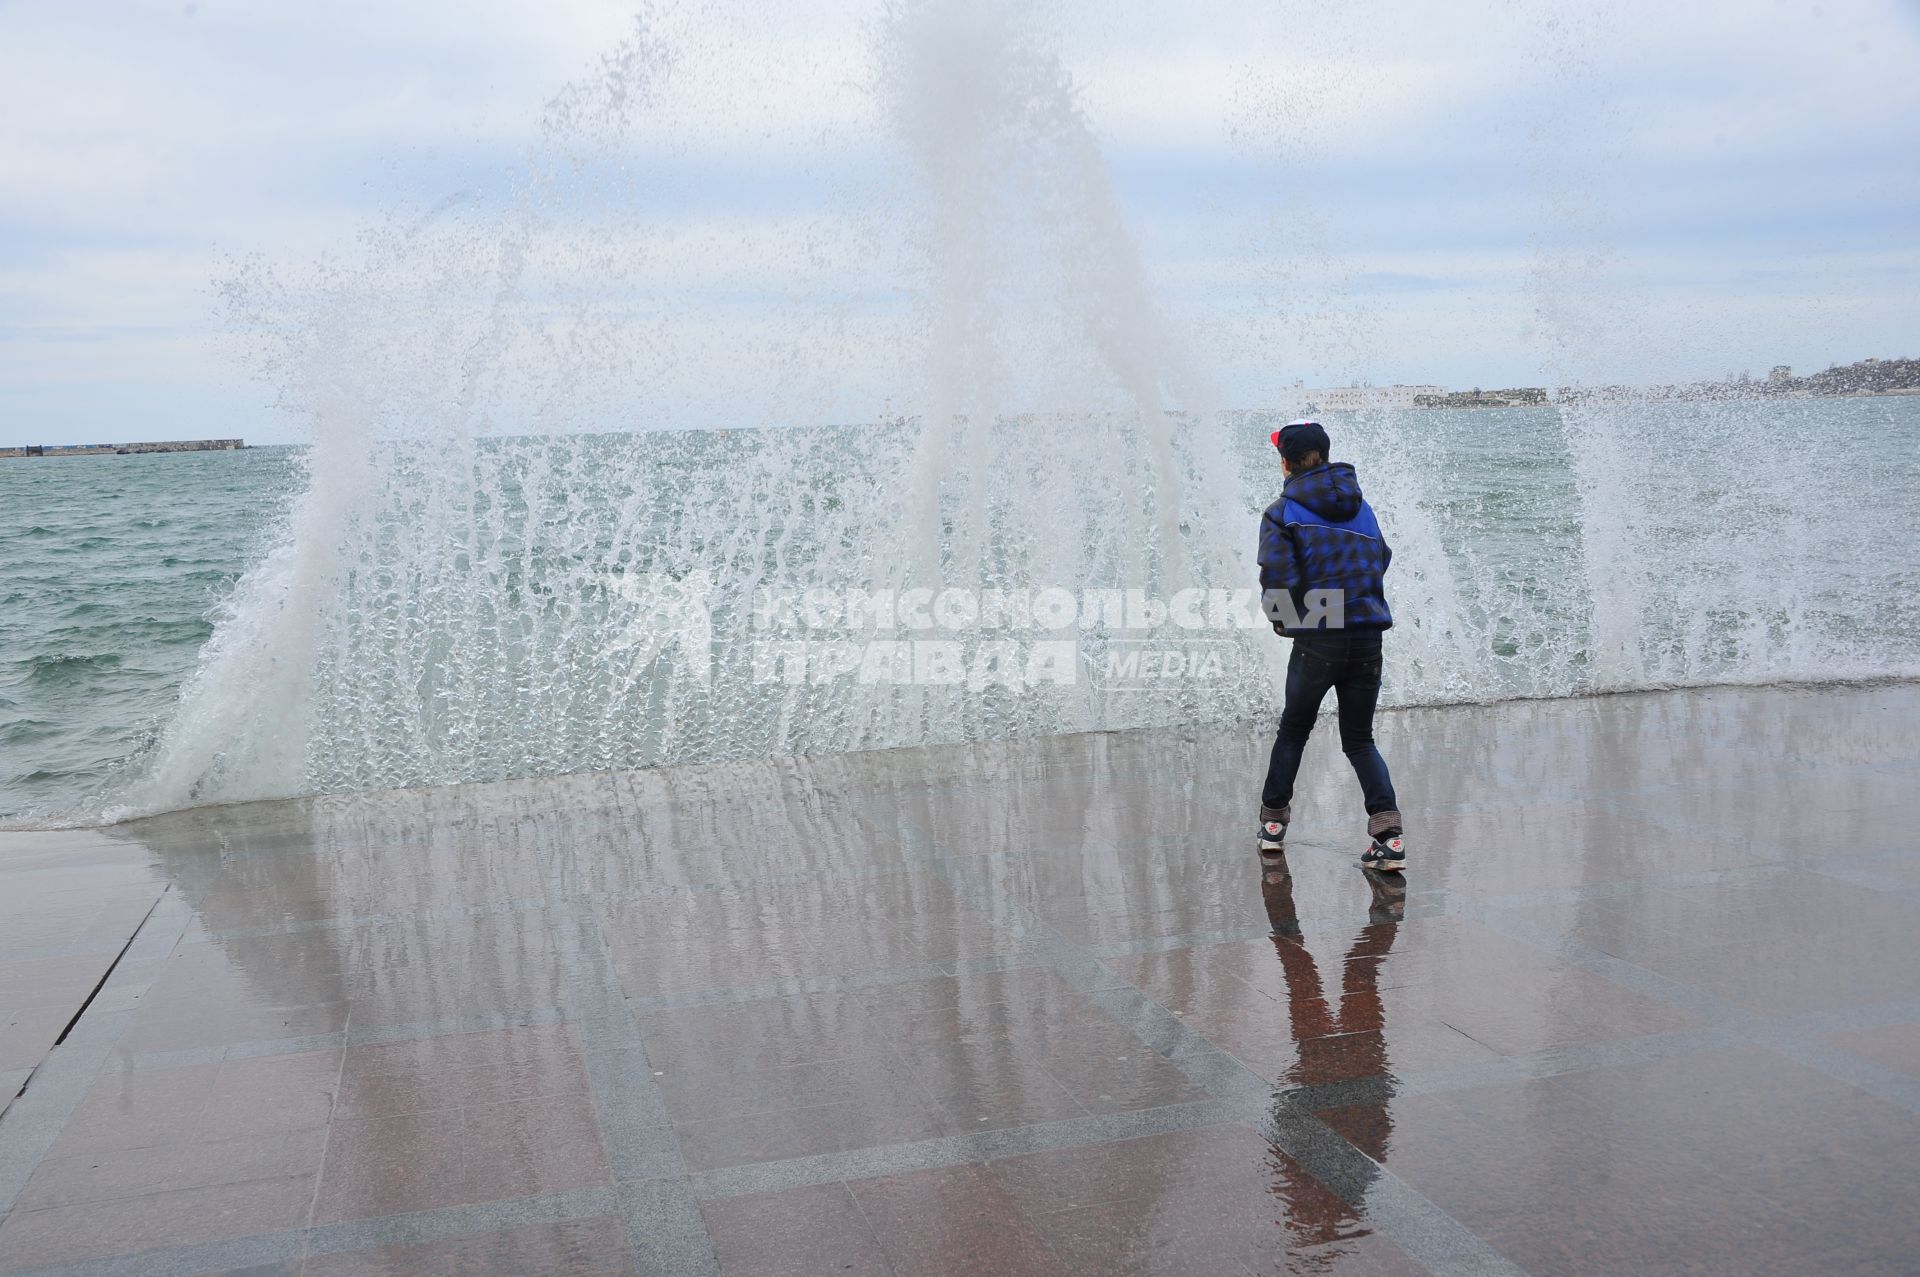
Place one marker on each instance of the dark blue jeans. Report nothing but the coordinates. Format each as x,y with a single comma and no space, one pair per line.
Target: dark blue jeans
1347,661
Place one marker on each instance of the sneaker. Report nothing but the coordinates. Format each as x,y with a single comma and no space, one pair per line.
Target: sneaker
1387,854
1273,829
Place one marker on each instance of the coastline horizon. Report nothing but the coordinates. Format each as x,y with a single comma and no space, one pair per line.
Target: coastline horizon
1446,397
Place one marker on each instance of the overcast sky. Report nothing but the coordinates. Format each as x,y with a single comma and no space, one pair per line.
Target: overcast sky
1485,194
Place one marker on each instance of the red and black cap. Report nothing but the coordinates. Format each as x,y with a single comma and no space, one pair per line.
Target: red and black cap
1300,439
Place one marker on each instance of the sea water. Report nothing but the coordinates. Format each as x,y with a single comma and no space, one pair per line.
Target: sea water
1754,541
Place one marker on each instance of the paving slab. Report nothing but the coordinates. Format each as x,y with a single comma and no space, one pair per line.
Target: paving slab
1640,1004
71,900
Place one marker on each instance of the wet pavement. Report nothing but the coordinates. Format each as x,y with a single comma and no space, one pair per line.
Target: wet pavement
1640,1004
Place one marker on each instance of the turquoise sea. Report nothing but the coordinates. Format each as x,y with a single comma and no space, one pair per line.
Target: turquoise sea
111,569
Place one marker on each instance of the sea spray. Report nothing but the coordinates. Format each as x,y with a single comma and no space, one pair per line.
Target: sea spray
456,599
1705,551
1047,450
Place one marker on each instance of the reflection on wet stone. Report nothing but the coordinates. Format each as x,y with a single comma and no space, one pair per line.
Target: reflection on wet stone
1029,1007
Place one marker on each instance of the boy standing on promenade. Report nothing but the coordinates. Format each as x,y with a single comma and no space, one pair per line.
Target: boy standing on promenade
1322,567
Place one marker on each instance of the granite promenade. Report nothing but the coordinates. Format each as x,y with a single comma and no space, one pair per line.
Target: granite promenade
1644,1004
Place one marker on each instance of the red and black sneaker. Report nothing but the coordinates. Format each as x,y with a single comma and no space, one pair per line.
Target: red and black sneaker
1387,854
1273,828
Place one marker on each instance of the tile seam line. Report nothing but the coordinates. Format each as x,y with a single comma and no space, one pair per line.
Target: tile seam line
866,1222
969,1149
326,1141
578,913
32,1070
18,1158
107,975
1804,1045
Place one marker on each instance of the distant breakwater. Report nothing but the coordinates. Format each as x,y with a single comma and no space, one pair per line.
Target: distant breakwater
122,449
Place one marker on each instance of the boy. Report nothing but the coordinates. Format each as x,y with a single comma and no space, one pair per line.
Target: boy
1322,564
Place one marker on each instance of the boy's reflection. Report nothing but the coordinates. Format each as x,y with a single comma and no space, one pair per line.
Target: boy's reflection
1335,1044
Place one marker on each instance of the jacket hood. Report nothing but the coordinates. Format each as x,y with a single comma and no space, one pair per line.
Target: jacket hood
1331,491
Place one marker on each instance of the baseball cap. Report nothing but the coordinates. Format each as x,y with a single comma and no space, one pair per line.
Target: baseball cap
1297,439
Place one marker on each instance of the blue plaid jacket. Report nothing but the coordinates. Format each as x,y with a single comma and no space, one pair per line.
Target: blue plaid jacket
1321,535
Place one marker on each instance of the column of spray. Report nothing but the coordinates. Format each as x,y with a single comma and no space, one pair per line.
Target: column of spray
240,728
248,721
1009,159
434,658
947,81
1569,268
